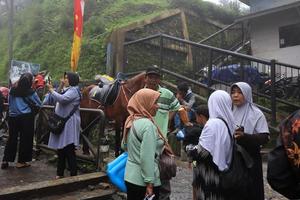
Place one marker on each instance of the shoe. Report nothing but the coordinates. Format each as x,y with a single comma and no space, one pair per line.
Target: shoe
4,165
22,165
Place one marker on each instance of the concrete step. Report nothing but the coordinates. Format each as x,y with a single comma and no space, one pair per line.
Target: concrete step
53,187
97,194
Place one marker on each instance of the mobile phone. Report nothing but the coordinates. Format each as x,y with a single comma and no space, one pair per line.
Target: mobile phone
48,80
240,128
149,197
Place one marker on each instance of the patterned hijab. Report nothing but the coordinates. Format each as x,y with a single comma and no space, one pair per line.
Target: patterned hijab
140,106
248,114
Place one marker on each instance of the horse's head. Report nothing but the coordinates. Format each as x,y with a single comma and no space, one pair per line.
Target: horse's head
86,101
136,83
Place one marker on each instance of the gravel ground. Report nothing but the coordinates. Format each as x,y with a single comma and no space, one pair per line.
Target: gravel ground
182,190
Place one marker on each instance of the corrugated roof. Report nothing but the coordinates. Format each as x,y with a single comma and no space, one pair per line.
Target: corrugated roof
245,2
268,11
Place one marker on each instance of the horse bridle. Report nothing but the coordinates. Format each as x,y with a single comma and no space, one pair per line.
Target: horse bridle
122,88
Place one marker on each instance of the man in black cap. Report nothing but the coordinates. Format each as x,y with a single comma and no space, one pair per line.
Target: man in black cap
167,103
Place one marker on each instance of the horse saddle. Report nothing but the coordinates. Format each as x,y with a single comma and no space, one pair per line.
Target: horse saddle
107,93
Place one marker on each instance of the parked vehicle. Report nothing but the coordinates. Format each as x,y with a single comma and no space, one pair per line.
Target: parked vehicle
232,73
285,87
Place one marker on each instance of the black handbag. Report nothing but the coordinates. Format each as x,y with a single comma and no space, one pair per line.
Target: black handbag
237,179
56,123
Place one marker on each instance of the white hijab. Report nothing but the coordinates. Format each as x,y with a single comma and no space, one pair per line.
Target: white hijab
248,115
214,137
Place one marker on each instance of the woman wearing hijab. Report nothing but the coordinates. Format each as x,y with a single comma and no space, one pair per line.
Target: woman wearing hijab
214,150
20,122
251,132
68,140
142,141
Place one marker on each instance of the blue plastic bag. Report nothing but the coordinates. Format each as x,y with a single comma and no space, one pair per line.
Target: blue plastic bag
116,170
180,135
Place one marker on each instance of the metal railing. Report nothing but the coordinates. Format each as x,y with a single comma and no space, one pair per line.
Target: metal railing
230,37
97,156
197,64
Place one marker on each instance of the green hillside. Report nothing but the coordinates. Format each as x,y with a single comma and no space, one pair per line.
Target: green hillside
43,30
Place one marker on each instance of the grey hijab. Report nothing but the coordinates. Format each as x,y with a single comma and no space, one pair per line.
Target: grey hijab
249,115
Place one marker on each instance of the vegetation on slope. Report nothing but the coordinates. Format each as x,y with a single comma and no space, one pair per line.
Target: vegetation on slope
43,30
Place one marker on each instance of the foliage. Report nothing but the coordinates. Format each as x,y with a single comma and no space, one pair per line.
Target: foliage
43,30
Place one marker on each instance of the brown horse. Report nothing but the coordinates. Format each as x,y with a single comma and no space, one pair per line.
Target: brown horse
117,111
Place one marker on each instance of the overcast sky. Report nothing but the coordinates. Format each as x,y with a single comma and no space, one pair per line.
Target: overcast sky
218,2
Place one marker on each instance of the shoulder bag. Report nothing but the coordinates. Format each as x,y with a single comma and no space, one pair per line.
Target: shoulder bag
56,123
237,178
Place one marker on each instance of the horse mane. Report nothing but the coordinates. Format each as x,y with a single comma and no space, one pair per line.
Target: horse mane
86,91
136,82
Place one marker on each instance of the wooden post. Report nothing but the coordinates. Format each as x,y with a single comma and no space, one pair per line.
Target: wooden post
186,36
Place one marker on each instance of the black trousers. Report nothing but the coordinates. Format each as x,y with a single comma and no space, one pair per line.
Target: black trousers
136,192
66,153
23,127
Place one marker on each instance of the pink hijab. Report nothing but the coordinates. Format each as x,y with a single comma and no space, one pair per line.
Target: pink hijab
140,105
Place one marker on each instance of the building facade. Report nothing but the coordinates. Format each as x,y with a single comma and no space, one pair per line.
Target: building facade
275,29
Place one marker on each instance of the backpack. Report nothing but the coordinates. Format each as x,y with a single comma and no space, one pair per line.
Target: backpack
237,179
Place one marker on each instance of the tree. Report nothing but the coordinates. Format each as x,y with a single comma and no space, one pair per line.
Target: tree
232,5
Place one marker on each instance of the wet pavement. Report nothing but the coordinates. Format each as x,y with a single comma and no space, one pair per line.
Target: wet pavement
42,170
182,189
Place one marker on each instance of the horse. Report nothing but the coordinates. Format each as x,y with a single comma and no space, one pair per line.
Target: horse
116,111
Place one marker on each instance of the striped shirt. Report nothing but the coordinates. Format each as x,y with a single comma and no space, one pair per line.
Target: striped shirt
167,102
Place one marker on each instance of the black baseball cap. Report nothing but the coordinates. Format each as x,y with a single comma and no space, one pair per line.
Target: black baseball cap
153,70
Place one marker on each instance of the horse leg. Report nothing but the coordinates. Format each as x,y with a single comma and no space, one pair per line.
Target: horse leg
117,139
85,146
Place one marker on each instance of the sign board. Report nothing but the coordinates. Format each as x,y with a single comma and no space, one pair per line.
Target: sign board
17,68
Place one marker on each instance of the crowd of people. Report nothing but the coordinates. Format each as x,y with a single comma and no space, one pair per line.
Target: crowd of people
208,137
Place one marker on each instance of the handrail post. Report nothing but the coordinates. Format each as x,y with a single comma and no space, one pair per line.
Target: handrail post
161,43
209,74
273,92
100,158
242,72
243,33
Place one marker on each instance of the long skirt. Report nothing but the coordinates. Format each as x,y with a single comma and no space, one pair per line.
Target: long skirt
206,180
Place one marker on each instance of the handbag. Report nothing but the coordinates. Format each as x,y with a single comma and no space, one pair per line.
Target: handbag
237,179
56,123
167,162
33,107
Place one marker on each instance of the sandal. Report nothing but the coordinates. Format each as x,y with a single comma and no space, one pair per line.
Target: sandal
22,165
4,165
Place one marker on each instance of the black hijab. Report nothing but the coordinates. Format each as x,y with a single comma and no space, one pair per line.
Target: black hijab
23,87
73,78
